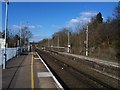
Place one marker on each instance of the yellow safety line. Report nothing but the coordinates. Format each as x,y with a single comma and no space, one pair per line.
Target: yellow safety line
32,73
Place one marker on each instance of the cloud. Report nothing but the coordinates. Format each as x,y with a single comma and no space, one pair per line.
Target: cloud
39,26
37,37
74,20
17,27
35,26
55,26
83,18
89,13
32,27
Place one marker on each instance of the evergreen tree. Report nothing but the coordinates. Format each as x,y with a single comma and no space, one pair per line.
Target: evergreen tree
99,18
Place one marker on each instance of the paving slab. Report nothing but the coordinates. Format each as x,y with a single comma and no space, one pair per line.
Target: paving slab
17,72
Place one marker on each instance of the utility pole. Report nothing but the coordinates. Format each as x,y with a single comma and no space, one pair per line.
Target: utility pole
6,28
48,42
68,42
52,44
58,42
20,38
28,47
87,41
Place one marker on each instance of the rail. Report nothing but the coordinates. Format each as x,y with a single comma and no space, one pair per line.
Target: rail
110,70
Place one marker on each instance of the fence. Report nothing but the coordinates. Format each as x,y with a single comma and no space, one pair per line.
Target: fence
11,52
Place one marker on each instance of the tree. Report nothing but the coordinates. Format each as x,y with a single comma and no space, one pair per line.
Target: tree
117,11
99,18
0,34
108,19
26,35
96,20
16,38
116,24
7,35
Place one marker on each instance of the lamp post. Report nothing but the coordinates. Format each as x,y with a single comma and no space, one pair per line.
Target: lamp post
86,41
6,27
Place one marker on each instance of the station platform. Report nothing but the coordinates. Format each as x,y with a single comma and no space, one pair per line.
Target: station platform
28,71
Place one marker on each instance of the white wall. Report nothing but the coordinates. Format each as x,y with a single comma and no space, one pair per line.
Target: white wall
2,43
11,52
1,55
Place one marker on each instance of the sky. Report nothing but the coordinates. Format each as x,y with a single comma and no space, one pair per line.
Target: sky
46,18
0,15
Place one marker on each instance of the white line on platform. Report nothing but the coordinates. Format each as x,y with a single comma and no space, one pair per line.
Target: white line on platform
36,58
44,74
58,84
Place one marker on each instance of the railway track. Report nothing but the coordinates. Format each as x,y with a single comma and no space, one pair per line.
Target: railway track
73,74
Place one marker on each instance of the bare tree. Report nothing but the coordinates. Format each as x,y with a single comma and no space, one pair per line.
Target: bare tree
26,35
